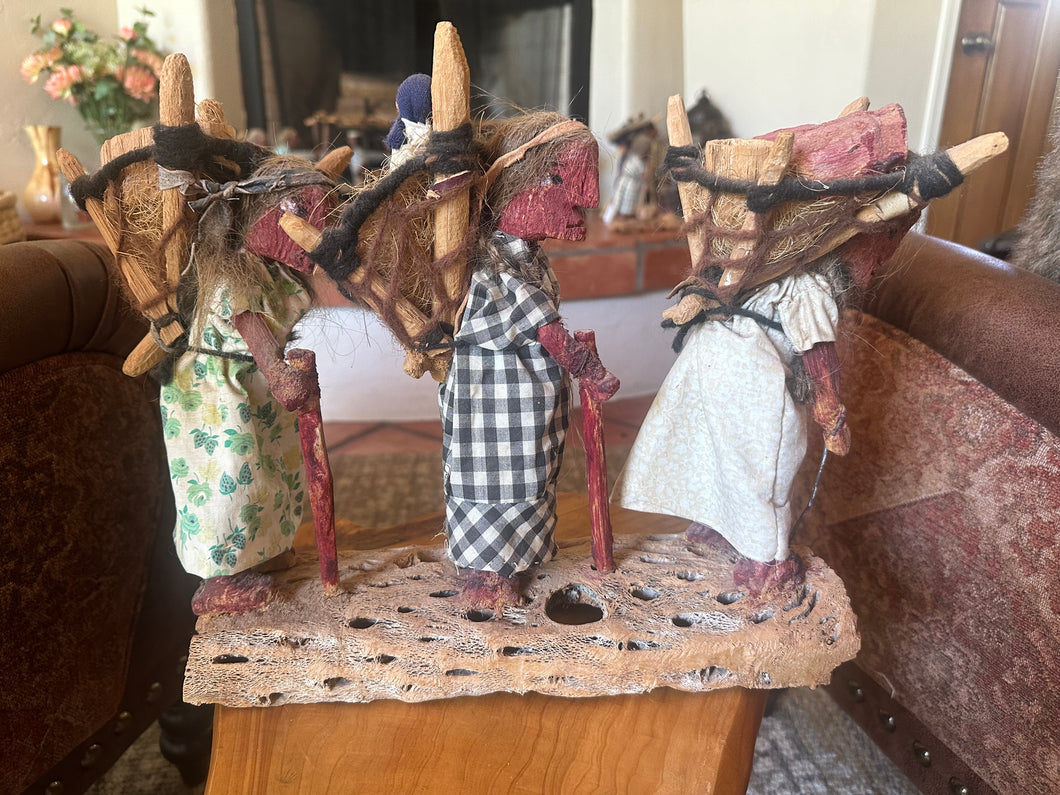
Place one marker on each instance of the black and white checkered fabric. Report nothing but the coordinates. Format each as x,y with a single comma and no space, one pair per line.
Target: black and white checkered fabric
504,408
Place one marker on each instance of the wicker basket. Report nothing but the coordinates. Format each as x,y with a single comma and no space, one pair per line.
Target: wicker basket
11,229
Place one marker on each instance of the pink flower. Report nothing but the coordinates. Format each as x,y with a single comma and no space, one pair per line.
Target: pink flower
125,33
61,82
62,26
35,63
151,60
139,83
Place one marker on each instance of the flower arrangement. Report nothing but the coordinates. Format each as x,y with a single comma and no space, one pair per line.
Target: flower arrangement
113,84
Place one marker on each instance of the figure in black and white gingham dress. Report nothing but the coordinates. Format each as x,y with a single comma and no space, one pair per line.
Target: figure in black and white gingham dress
504,411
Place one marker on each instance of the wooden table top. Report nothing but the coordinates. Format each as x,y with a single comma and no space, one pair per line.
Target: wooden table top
658,742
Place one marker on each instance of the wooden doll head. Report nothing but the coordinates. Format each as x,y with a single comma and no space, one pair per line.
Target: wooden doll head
266,239
542,194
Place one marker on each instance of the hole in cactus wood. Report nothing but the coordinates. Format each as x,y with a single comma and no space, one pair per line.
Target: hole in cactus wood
335,681
461,672
406,609
574,604
228,659
478,615
515,651
444,594
362,623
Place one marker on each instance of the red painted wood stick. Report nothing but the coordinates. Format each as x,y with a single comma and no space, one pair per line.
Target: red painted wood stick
317,470
596,470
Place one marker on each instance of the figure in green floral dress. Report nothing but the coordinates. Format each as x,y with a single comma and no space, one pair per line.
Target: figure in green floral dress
234,452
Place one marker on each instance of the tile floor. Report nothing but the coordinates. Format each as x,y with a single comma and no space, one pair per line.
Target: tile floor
622,418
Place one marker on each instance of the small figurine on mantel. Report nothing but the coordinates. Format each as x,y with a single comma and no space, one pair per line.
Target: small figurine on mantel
634,202
192,215
781,230
504,403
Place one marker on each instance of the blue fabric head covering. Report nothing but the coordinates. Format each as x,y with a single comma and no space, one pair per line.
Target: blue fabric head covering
414,104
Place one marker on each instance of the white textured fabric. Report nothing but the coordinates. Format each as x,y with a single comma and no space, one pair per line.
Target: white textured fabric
723,439
416,135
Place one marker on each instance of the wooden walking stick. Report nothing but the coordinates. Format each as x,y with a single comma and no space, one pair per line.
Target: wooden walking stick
294,382
596,470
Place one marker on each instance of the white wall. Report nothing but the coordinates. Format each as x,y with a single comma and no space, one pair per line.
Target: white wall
770,64
360,363
909,62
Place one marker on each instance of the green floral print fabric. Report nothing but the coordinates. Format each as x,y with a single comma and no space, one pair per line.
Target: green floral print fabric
234,454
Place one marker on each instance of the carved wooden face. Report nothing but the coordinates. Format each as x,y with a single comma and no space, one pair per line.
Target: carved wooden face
553,207
267,239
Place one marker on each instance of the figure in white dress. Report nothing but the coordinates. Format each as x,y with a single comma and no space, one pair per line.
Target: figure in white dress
725,437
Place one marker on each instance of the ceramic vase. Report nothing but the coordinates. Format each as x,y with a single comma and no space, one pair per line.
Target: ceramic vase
41,198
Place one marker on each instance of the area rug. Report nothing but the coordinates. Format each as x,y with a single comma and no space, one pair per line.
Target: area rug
806,745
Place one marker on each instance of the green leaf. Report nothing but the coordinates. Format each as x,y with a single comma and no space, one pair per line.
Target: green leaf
287,527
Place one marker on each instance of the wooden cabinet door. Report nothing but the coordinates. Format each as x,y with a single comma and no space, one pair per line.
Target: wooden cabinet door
1004,77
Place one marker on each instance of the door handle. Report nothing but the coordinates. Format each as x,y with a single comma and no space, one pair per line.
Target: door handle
977,44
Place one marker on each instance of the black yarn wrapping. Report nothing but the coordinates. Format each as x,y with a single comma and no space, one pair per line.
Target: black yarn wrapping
931,176
177,148
721,312
448,152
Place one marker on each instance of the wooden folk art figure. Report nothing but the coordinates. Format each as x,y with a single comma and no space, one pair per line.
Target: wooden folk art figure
485,319
780,230
632,174
504,402
239,418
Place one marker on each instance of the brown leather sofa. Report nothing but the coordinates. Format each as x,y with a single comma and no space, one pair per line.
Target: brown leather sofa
944,519
94,606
